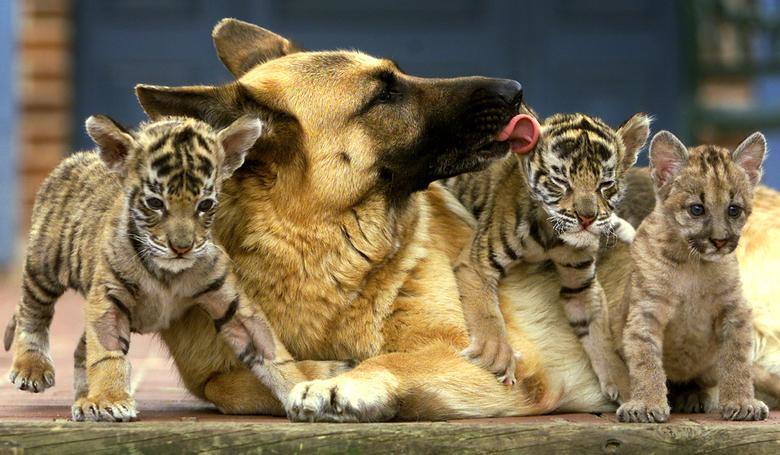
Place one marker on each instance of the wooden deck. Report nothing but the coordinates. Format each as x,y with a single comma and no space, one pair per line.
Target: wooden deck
174,422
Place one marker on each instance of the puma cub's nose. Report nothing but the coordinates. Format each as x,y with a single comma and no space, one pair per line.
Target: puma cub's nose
719,243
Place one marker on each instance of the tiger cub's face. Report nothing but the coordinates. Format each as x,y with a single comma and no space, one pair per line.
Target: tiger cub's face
706,193
576,171
172,171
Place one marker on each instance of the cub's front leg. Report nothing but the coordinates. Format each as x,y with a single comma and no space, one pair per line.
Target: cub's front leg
643,349
477,272
584,303
737,400
107,335
249,335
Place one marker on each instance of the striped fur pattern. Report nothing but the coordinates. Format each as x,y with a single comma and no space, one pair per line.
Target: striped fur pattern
685,318
555,204
128,227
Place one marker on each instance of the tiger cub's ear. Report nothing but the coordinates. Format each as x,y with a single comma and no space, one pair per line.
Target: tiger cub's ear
114,141
236,140
749,155
634,133
667,156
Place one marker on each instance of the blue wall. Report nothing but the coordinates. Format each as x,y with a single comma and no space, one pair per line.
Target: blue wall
8,200
610,58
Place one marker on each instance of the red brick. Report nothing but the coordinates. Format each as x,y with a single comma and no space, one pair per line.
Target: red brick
45,31
37,93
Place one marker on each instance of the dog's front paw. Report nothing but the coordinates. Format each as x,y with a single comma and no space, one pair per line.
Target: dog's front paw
495,354
99,410
340,399
636,411
750,409
32,371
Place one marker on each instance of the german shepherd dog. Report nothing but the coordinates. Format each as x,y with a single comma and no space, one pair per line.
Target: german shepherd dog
338,233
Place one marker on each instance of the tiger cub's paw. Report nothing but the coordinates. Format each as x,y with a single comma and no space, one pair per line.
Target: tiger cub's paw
625,232
750,409
495,354
94,409
32,371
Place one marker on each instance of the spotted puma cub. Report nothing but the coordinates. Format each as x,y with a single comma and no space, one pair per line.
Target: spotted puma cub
128,227
685,318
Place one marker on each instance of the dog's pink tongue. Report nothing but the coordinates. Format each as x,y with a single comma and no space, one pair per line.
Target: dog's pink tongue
522,132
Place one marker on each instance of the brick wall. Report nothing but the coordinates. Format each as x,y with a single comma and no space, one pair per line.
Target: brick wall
45,93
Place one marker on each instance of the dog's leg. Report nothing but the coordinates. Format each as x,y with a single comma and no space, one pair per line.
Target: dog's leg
431,383
210,370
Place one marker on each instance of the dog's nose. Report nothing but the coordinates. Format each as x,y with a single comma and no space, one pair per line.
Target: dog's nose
719,243
181,247
511,91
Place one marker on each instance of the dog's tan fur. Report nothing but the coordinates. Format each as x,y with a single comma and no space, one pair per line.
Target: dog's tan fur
346,271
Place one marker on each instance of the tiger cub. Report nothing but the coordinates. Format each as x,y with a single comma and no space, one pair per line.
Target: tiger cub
128,227
553,204
685,317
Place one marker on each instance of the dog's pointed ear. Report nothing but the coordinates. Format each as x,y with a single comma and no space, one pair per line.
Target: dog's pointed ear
218,106
241,46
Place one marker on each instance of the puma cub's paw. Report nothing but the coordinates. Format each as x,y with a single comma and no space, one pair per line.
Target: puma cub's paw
695,401
636,411
617,388
750,409
94,409
611,391
32,371
495,354
340,399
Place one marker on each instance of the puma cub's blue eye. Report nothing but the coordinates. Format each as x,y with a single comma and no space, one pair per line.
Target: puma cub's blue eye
155,203
734,211
205,205
696,209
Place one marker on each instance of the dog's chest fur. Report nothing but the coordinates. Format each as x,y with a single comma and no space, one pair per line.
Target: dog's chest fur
321,287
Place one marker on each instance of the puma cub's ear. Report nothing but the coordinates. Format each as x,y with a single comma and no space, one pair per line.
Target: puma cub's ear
749,155
237,139
634,133
667,156
114,141
241,46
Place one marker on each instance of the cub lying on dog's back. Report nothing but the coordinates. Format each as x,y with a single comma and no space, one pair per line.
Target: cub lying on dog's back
555,203
129,228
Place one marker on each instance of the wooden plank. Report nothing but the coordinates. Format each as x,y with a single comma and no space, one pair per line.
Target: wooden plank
538,438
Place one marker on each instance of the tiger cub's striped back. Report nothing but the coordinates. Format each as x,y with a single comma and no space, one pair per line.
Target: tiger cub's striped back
128,226
554,204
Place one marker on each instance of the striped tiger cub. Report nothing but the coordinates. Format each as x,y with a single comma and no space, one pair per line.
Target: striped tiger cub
553,204
128,227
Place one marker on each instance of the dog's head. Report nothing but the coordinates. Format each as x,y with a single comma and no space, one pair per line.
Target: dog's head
343,124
